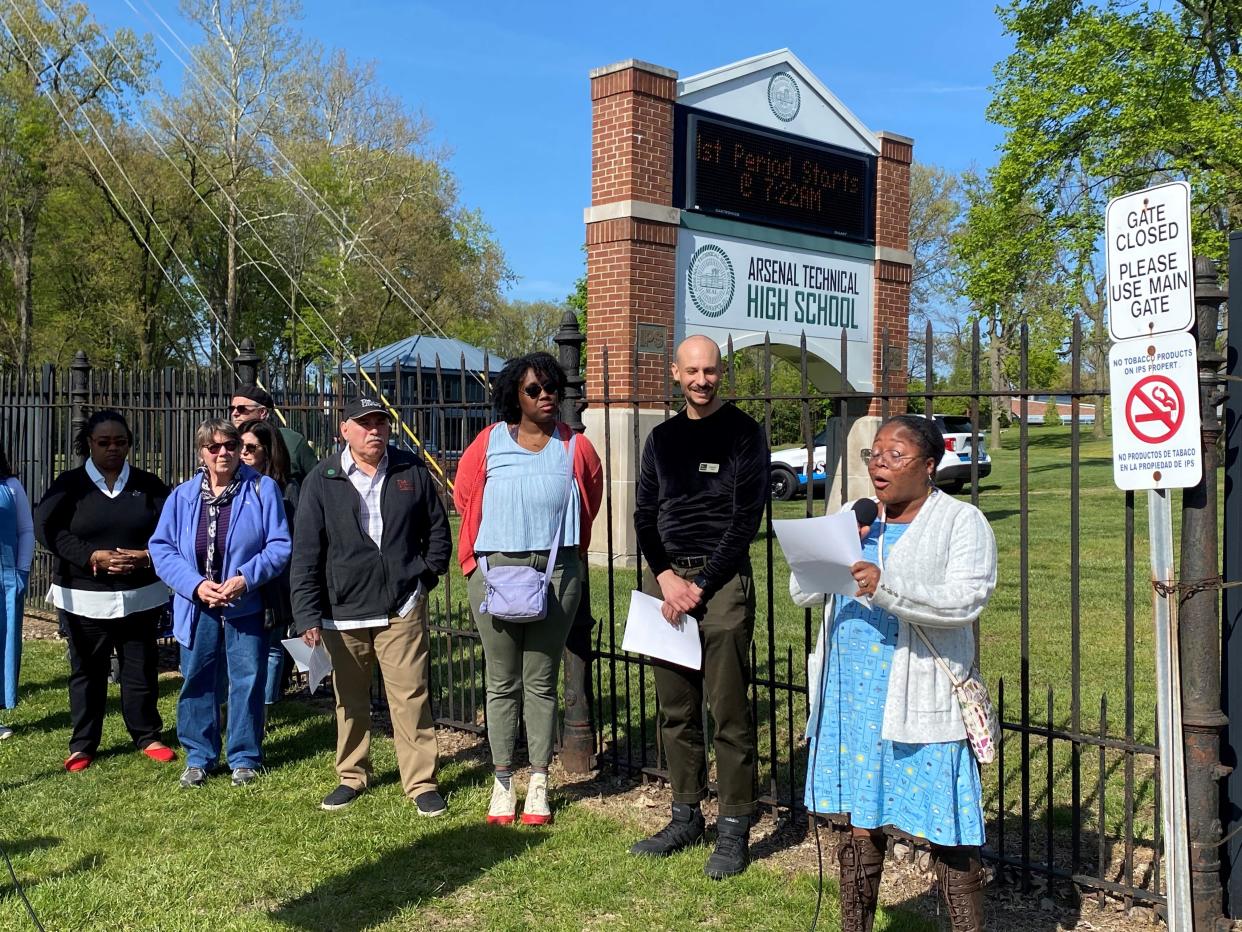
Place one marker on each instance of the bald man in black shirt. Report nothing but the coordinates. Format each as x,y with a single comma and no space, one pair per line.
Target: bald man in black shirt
701,494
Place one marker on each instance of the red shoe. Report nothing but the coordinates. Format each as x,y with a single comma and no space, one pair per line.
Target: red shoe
161,753
78,761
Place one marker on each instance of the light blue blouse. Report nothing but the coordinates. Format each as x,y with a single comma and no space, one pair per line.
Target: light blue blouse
524,494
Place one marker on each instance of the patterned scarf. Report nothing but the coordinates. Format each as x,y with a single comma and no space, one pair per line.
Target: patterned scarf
214,504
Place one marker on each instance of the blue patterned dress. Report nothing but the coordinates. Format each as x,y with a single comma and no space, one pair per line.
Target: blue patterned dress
929,791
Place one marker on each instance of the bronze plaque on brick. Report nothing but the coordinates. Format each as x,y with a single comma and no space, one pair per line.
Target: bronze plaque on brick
651,338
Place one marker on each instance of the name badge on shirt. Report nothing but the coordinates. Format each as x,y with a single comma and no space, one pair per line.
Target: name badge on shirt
709,467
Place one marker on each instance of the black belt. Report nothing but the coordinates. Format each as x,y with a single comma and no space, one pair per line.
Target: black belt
687,563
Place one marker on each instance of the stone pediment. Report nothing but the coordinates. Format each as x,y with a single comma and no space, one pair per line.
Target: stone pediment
778,91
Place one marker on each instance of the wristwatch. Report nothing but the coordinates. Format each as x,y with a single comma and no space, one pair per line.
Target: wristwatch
700,580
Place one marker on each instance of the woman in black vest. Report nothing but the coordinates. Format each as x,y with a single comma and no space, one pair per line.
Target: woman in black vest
96,520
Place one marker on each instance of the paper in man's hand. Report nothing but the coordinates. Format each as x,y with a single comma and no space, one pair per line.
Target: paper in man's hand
648,632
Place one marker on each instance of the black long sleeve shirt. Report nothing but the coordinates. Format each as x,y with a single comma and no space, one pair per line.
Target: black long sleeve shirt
75,519
702,490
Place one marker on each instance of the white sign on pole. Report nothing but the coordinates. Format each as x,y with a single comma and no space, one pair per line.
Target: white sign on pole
1155,396
1150,273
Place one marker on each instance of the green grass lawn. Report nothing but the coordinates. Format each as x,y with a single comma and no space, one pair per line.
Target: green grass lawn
121,847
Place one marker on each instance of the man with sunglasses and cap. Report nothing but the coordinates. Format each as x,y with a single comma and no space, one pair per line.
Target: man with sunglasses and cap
372,538
702,488
252,403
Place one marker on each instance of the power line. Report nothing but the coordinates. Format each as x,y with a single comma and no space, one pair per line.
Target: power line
409,433
307,190
104,181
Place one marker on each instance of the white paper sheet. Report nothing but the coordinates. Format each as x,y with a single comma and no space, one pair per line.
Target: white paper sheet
316,663
820,551
648,632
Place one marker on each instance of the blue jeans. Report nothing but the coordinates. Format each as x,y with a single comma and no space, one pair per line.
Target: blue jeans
278,663
242,645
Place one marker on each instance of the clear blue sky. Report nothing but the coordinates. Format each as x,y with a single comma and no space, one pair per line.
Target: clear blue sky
505,85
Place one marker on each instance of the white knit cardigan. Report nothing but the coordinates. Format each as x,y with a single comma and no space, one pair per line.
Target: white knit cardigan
939,575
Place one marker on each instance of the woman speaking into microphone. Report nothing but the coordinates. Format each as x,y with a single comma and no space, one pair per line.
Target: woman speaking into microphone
888,740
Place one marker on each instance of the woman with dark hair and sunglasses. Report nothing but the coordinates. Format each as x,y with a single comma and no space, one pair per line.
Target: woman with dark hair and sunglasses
263,450
16,555
221,538
888,742
526,486
97,521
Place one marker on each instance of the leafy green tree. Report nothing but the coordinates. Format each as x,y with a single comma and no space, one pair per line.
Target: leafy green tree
1101,97
1052,413
49,88
1009,275
515,328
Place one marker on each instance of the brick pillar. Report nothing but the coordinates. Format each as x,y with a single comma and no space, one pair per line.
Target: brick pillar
893,262
631,224
631,265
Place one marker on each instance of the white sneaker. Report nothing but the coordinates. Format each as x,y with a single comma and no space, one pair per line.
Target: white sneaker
536,811
504,804
5,732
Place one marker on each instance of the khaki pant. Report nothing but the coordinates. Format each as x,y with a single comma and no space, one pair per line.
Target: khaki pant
402,650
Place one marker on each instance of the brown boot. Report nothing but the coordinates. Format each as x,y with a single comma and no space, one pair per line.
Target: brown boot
861,862
960,873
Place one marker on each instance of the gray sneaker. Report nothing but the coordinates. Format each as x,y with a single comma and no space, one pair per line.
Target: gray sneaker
244,775
193,778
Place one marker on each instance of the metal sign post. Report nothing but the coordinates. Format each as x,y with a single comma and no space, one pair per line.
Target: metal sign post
1158,445
1169,714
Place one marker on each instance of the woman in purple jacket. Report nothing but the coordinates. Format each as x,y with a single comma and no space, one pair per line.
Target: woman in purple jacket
221,537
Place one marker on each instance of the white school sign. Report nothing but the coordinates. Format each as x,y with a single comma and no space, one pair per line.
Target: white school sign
1150,275
741,285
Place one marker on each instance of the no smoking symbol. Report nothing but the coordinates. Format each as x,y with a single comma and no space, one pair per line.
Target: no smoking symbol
1154,409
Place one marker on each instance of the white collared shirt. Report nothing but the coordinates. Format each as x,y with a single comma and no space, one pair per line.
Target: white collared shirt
369,489
102,484
117,604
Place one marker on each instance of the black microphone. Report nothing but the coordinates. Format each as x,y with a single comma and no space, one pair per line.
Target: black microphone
866,511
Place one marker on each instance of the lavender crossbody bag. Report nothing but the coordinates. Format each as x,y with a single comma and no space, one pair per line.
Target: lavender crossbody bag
520,593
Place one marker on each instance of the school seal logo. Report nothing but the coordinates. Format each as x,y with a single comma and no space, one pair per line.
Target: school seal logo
783,96
710,280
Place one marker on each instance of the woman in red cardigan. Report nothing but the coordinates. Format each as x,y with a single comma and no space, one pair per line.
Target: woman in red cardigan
526,486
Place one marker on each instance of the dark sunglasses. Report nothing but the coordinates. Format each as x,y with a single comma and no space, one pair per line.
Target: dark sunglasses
534,390
252,448
244,409
214,448
110,442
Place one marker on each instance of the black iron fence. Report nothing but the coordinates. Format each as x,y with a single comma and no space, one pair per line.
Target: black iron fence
1072,801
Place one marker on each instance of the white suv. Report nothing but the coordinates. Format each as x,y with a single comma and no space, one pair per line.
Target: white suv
790,475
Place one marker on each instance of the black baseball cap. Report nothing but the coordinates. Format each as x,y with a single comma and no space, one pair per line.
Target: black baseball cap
365,405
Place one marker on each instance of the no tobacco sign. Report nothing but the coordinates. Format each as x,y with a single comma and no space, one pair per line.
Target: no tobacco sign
1155,395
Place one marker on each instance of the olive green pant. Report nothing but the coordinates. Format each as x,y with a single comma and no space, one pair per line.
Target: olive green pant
726,631
523,660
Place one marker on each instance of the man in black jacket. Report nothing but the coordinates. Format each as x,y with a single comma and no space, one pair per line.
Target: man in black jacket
371,540
701,493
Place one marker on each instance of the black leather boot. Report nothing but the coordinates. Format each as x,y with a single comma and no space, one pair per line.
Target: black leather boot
960,873
732,852
684,830
861,862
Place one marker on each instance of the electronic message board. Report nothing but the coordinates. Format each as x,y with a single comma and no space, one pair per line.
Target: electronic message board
735,170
